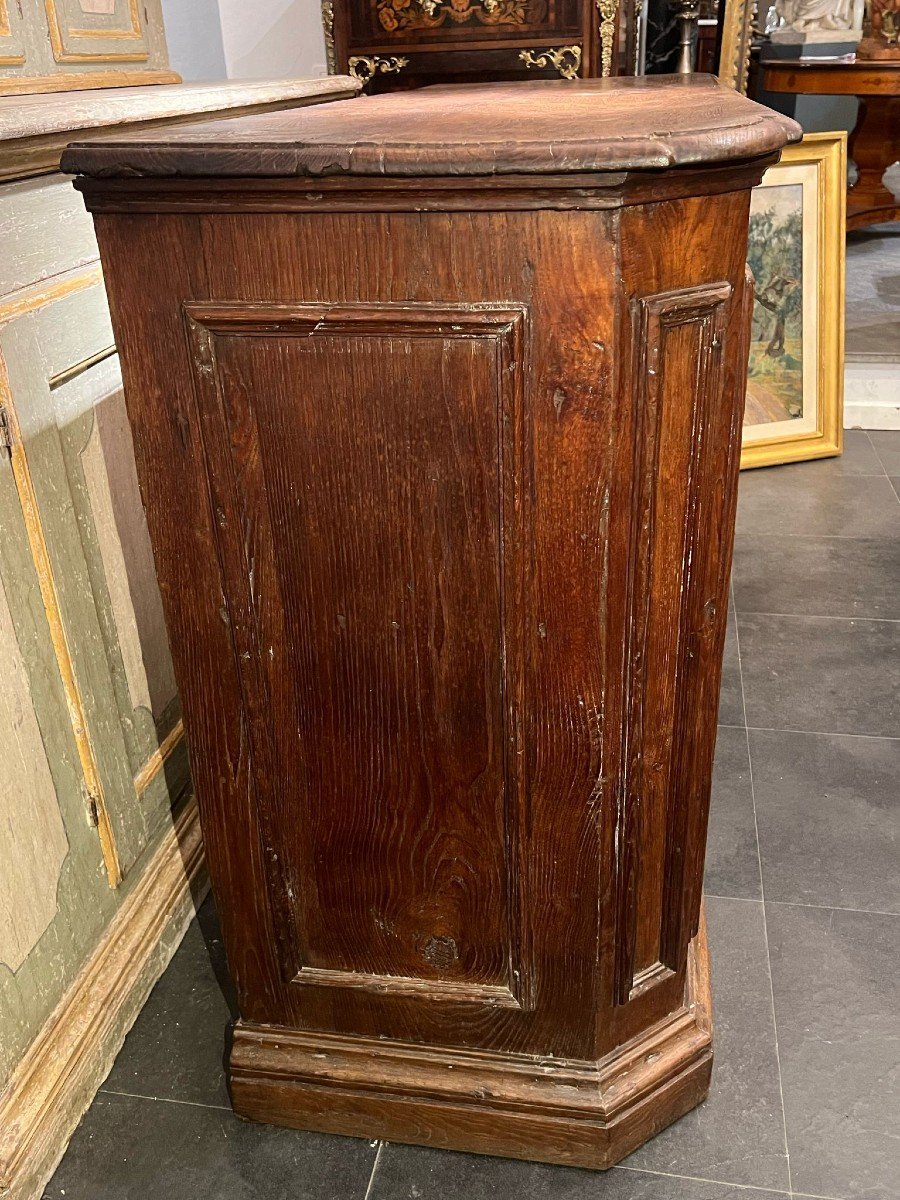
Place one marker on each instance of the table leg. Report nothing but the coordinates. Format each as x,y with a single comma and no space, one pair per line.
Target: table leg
874,145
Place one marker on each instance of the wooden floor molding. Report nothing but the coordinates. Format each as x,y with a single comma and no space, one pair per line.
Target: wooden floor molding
56,1081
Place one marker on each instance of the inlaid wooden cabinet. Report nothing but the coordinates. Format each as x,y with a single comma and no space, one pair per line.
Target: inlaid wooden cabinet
392,44
438,435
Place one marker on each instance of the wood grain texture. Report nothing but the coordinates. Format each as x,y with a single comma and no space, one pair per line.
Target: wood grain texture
588,125
458,505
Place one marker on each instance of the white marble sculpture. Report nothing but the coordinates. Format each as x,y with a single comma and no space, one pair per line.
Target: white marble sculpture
821,16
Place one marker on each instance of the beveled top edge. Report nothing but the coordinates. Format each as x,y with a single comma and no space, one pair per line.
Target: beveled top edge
536,128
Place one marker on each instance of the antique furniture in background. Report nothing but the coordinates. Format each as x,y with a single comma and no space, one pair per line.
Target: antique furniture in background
404,43
875,141
795,385
737,37
99,838
59,45
881,31
447,427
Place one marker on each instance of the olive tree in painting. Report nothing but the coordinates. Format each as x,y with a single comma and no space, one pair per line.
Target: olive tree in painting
775,255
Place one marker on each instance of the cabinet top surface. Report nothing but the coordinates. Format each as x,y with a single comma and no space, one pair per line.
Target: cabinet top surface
546,127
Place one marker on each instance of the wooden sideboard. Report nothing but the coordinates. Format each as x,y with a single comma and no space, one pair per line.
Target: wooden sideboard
404,43
439,436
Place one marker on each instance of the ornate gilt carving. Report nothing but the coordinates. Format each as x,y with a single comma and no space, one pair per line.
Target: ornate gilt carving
328,30
737,32
394,15
366,67
566,59
607,10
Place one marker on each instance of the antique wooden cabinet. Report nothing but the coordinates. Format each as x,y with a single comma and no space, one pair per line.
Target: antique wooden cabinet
403,43
438,434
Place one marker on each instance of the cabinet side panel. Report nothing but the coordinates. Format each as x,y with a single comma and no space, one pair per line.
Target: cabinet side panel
683,317
168,452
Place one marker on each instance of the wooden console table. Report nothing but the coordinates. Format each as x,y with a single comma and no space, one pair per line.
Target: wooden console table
875,141
436,401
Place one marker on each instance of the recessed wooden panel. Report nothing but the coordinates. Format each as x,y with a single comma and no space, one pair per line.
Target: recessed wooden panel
12,47
96,31
361,462
677,377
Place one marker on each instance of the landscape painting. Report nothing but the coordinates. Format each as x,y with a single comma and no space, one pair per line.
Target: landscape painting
775,255
795,253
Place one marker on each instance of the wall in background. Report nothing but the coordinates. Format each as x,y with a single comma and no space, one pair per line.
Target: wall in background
268,39
194,37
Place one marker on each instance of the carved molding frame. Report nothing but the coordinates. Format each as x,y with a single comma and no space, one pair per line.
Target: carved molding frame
737,31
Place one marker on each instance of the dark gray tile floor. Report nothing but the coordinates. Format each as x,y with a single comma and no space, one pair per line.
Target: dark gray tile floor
803,901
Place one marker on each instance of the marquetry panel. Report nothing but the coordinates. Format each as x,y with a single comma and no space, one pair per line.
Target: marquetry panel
362,463
678,377
463,20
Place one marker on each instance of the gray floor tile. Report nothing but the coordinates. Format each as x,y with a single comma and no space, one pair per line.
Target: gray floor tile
737,1135
417,1173
785,500
829,819
731,699
129,1149
886,443
175,1048
821,675
858,458
837,1002
817,576
732,858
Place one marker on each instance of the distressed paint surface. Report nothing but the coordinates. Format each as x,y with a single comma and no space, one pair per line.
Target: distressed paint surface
121,532
55,899
33,841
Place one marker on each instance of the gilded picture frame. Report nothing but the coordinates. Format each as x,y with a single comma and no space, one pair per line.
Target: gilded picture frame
795,384
737,32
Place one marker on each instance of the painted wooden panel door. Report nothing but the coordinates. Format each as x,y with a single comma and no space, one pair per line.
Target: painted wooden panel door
77,490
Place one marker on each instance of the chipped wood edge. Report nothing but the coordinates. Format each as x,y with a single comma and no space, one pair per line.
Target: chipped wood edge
157,759
20,304
55,1082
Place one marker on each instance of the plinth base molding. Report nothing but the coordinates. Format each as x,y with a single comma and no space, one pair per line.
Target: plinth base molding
587,1114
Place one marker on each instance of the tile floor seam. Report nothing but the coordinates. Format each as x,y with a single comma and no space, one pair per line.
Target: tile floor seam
758,612
762,896
746,1187
871,912
166,1100
877,737
368,1194
868,434
832,537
